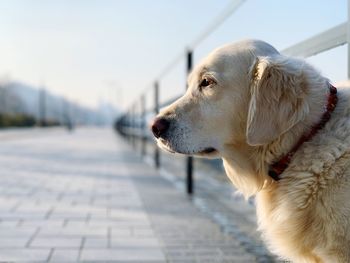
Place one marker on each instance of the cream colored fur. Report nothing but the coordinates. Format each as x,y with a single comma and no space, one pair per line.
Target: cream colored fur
257,106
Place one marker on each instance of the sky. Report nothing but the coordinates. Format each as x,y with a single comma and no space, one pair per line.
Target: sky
103,50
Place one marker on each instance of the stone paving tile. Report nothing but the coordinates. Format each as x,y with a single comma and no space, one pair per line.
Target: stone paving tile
43,223
128,215
178,223
91,242
73,231
65,255
125,255
55,242
7,205
83,216
120,232
14,231
9,222
143,232
14,242
134,242
69,200
72,222
24,254
24,215
33,207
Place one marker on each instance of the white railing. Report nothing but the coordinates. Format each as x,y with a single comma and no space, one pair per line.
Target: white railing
133,122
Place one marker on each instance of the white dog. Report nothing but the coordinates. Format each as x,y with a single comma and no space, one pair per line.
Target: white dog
282,135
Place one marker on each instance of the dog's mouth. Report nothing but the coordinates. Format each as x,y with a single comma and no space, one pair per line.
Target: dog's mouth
208,150
165,145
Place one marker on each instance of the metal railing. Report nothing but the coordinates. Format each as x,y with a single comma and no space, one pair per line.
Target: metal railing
133,123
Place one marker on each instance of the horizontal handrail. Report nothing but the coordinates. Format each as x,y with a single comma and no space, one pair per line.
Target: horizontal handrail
331,38
133,124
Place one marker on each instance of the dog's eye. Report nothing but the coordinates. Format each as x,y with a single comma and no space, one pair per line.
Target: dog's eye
205,82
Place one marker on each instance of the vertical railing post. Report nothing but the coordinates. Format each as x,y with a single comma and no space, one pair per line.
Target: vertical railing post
348,38
142,125
42,107
133,125
189,161
129,125
156,111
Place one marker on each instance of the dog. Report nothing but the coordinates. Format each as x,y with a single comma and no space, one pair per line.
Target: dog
283,133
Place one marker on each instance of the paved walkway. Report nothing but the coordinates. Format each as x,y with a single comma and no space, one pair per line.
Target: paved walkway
85,196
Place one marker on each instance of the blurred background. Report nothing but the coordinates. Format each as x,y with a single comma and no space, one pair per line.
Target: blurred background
167,39
84,62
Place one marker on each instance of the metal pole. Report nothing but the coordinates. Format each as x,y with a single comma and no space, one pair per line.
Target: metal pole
143,124
348,38
156,111
189,161
5,99
133,125
129,122
42,107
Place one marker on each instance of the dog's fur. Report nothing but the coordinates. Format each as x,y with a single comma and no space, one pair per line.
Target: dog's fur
257,105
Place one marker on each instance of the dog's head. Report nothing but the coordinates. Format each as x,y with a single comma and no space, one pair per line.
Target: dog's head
241,94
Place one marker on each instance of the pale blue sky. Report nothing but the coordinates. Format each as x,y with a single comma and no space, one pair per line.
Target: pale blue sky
92,49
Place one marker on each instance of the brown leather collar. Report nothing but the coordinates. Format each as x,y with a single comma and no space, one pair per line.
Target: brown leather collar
277,168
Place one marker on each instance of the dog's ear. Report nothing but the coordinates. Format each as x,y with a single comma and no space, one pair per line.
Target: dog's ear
277,98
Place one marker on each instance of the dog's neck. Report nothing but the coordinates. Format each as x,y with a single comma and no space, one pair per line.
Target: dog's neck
247,166
278,167
293,139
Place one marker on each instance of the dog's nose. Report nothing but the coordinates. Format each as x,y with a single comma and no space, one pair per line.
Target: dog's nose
159,127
